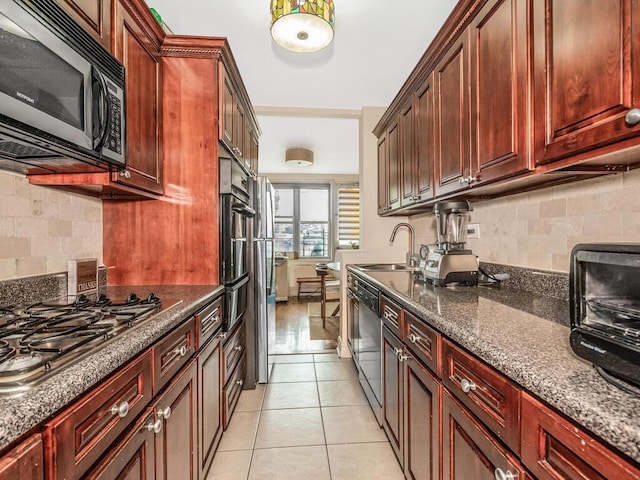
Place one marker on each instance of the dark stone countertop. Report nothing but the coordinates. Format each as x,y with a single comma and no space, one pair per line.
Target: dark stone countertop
526,337
19,414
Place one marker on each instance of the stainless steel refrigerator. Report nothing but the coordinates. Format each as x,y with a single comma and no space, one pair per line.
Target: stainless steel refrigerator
261,325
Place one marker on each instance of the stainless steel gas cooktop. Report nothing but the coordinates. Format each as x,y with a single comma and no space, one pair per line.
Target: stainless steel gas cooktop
41,339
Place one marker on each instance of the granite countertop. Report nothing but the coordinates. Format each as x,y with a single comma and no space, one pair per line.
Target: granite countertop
526,337
18,414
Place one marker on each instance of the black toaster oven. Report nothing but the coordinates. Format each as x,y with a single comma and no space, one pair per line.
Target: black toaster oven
605,308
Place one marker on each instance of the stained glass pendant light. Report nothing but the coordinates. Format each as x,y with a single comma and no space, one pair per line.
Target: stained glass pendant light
302,25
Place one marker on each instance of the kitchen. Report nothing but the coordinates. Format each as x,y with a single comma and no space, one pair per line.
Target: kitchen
534,229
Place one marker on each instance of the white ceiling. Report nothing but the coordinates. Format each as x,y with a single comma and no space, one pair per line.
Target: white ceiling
376,45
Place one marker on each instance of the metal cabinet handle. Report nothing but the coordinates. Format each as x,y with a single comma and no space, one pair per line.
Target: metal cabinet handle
462,180
403,356
124,173
467,385
182,351
223,335
633,117
240,382
397,351
120,410
164,412
413,338
502,475
238,348
154,427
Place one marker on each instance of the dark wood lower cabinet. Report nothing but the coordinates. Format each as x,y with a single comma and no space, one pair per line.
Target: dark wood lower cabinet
133,457
24,462
392,414
422,393
553,448
209,405
176,443
469,451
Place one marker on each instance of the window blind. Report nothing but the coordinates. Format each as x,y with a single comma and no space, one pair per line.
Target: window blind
348,215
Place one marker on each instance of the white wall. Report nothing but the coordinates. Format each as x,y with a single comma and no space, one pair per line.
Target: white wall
42,228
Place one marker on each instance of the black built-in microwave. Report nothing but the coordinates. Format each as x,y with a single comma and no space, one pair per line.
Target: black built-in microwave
61,92
605,308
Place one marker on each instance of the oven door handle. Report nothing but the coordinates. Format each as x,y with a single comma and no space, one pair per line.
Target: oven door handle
243,209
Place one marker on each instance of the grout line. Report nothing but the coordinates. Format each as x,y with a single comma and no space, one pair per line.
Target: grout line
324,432
255,436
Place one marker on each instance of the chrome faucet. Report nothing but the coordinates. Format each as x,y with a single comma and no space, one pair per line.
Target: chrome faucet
412,258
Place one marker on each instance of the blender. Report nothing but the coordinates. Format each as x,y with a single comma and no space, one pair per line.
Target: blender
450,262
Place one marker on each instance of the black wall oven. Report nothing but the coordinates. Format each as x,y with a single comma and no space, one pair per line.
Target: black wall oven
235,214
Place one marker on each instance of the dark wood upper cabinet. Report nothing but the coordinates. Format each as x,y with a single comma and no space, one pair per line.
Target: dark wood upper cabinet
93,15
452,123
383,175
408,194
554,448
393,167
424,140
24,462
227,108
138,50
586,74
498,45
469,451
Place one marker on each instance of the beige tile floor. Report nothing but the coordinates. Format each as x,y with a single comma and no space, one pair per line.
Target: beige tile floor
311,422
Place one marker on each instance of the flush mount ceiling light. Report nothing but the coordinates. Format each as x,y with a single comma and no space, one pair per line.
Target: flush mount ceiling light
302,25
299,156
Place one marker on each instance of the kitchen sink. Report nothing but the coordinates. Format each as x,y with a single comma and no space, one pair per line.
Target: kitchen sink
386,267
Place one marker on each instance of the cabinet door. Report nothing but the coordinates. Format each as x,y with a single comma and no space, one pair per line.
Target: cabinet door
227,107
421,422
586,74
139,54
239,131
133,457
24,462
392,391
209,407
452,118
470,451
383,175
393,167
553,448
408,194
93,15
176,443
254,152
172,353
424,139
499,94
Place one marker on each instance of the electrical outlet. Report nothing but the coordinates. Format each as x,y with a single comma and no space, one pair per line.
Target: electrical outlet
473,230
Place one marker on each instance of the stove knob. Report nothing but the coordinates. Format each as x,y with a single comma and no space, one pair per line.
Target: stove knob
120,410
152,298
132,298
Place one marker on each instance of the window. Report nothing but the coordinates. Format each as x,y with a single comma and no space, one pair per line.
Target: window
302,220
348,213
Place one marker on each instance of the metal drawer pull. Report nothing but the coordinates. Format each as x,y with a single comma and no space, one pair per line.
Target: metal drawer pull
154,427
182,351
238,348
467,386
164,412
397,351
413,338
502,475
403,356
239,382
223,335
121,410
633,117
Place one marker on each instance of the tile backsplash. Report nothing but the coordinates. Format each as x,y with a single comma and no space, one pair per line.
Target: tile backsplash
538,229
42,228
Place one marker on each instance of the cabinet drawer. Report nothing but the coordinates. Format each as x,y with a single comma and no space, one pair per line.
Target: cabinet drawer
469,451
486,392
391,314
233,350
83,432
423,341
232,390
553,448
208,321
172,353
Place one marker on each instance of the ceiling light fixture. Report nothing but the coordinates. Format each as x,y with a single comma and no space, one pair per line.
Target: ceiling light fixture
299,156
302,25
